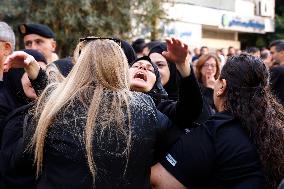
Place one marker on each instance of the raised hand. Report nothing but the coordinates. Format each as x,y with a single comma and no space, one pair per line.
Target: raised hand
20,59
178,53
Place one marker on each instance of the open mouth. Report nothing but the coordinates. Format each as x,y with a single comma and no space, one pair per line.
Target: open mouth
140,75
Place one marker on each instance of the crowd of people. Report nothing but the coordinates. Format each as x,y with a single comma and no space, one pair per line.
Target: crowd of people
140,115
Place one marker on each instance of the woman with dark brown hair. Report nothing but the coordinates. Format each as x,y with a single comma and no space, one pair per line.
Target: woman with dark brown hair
241,146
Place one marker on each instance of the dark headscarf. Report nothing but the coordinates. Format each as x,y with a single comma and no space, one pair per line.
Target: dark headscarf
128,50
37,55
172,86
157,92
64,65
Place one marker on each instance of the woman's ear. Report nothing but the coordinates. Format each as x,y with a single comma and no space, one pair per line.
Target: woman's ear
222,87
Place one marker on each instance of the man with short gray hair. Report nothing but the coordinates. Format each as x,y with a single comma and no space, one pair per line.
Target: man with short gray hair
7,44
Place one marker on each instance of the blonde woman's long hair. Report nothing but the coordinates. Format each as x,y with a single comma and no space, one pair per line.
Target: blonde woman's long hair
100,66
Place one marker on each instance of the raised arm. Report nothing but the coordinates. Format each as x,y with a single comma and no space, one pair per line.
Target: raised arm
20,59
189,105
178,53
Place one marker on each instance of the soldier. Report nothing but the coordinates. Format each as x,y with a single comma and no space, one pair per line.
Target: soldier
41,38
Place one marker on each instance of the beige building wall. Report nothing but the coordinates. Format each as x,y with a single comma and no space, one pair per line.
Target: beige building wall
214,44
216,39
216,24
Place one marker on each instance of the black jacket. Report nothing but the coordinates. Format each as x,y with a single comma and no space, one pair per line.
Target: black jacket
6,104
208,108
12,94
16,166
225,158
65,164
187,108
277,82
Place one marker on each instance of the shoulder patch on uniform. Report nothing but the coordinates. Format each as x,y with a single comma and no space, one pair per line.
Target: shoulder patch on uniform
23,29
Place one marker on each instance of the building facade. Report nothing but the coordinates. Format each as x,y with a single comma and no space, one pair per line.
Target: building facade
217,23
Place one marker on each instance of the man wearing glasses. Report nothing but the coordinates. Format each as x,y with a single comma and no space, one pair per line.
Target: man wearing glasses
41,38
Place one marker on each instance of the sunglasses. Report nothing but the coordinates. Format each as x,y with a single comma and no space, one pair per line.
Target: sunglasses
91,38
100,38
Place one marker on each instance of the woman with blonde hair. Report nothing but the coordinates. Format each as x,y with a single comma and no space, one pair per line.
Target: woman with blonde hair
90,131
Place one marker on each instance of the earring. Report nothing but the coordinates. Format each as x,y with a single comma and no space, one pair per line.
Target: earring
218,93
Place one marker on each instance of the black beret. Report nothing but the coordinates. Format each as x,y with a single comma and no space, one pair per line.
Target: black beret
39,29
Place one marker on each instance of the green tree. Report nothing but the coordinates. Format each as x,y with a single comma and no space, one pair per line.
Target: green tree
279,25
148,14
71,19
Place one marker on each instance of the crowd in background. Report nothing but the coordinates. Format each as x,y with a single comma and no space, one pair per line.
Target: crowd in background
208,64
139,115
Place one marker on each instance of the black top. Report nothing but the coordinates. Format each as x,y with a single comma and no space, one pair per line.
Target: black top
188,106
216,155
7,104
208,96
208,108
3,106
11,93
277,82
65,164
16,166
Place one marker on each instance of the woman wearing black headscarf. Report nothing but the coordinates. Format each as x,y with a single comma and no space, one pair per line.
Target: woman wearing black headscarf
168,71
145,77
178,96
184,103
